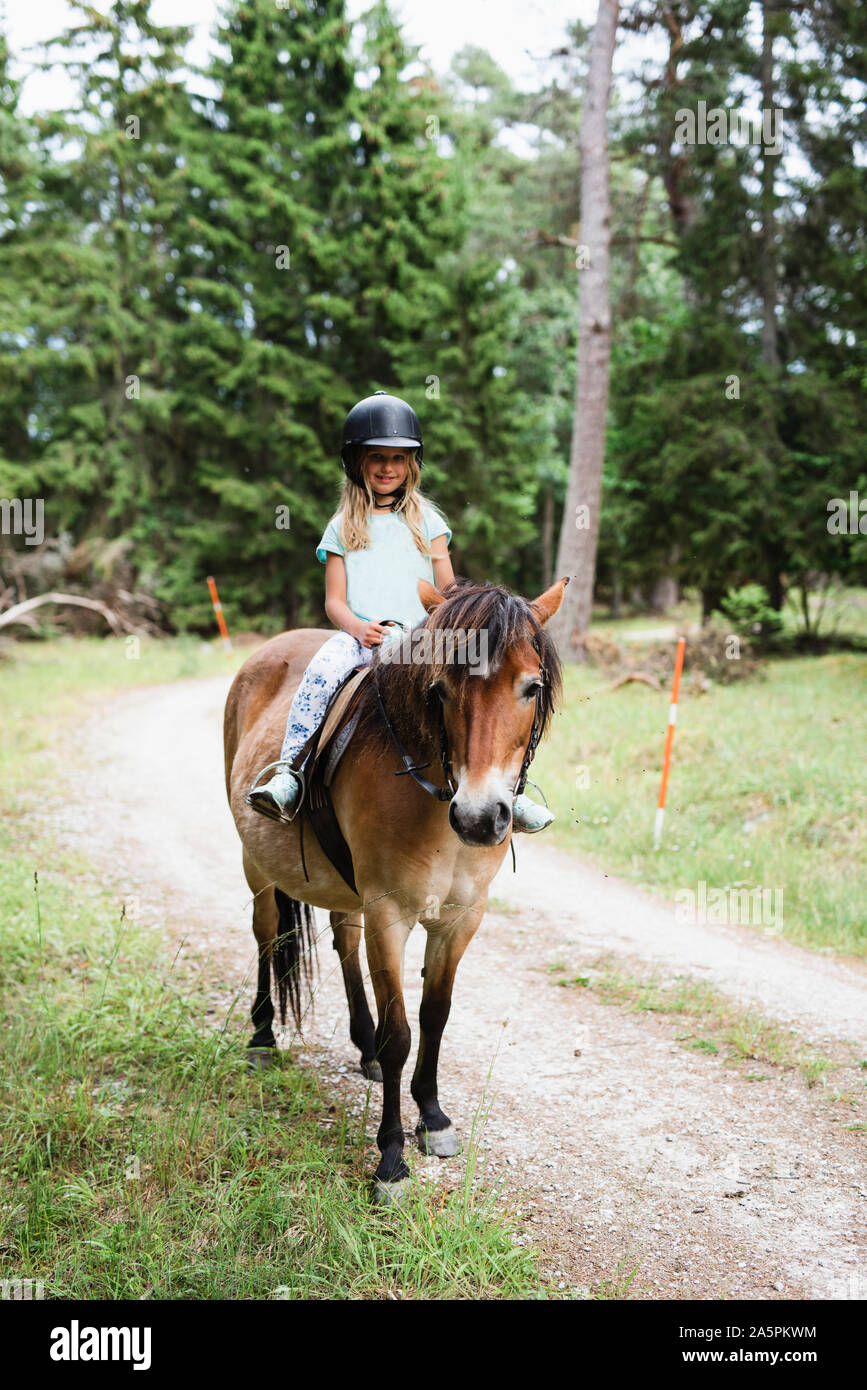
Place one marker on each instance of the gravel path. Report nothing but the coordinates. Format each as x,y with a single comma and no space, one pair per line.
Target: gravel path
619,1147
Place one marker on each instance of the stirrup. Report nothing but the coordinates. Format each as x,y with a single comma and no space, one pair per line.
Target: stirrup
528,781
296,772
518,827
538,789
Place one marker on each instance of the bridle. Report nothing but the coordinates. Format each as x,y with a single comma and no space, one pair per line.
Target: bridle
543,695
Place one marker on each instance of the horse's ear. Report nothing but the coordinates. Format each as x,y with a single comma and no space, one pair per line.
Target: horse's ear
546,605
431,598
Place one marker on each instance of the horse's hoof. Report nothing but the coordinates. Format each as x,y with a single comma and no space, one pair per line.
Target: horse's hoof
390,1194
441,1143
372,1070
258,1058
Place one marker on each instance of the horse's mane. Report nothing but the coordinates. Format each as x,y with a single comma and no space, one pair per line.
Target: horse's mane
407,686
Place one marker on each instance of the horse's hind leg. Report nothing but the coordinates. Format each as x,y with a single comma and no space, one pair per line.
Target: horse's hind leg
266,920
347,939
443,950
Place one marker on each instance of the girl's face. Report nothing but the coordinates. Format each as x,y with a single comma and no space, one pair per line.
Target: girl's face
385,468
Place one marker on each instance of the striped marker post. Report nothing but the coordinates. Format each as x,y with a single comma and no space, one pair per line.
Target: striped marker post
669,739
218,609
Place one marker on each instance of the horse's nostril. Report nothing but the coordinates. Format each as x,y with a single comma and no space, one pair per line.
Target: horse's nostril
481,826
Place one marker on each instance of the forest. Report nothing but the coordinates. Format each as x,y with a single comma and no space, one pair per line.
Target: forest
202,270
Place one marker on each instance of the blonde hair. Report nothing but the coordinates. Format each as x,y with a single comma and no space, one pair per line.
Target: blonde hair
356,504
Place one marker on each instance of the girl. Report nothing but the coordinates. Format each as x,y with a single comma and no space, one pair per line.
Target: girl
385,537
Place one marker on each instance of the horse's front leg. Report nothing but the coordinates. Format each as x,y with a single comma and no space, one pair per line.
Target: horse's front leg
346,927
386,928
446,943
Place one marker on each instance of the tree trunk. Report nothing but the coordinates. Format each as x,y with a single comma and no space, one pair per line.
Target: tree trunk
776,588
768,258
616,595
712,596
579,533
19,612
664,594
768,279
548,536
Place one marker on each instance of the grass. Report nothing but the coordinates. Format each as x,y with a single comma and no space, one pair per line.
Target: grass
618,1286
843,613
144,1161
505,909
139,1158
47,685
718,1027
767,789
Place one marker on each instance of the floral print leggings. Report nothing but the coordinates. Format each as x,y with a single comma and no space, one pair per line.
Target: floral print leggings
334,660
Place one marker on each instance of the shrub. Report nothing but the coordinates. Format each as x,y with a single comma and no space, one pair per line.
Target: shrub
751,615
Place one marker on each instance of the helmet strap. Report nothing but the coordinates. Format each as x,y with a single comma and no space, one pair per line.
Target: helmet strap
394,499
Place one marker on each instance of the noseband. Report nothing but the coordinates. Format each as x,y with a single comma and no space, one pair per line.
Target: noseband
543,692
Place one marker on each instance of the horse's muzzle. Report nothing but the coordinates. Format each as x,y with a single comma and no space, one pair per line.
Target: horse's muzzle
487,824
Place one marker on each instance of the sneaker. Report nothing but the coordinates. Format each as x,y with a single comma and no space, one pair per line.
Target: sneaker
277,798
528,815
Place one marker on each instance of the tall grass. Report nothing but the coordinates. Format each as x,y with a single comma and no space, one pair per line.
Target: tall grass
138,1156
768,787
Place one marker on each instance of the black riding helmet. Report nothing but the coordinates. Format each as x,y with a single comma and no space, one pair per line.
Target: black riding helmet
378,419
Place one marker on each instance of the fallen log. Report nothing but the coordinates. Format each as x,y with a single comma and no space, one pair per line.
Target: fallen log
18,612
630,676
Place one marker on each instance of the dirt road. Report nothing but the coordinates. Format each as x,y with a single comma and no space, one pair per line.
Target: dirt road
619,1147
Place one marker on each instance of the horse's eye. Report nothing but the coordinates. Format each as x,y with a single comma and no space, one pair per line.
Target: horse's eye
439,689
532,690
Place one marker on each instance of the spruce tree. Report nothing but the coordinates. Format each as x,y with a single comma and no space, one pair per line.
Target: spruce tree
89,267
756,262
21,282
258,405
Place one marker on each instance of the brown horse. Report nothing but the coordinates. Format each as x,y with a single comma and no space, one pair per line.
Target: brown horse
417,857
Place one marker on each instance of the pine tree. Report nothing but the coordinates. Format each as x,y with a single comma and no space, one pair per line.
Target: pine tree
20,175
746,298
258,405
522,212
432,320
88,270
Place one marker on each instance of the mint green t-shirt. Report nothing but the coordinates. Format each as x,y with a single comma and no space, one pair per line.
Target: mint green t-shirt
382,581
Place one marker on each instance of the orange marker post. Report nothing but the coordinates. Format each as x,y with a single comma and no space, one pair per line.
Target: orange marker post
218,609
669,739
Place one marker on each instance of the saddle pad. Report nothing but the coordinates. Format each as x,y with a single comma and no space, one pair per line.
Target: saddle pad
319,758
339,706
338,747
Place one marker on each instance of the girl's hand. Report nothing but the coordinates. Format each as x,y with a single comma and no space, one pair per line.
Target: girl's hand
370,634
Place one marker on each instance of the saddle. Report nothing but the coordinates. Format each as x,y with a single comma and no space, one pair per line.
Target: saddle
318,760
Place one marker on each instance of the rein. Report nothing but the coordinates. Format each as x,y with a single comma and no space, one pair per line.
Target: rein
440,793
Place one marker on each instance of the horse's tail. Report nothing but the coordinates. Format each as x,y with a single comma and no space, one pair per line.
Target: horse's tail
292,955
